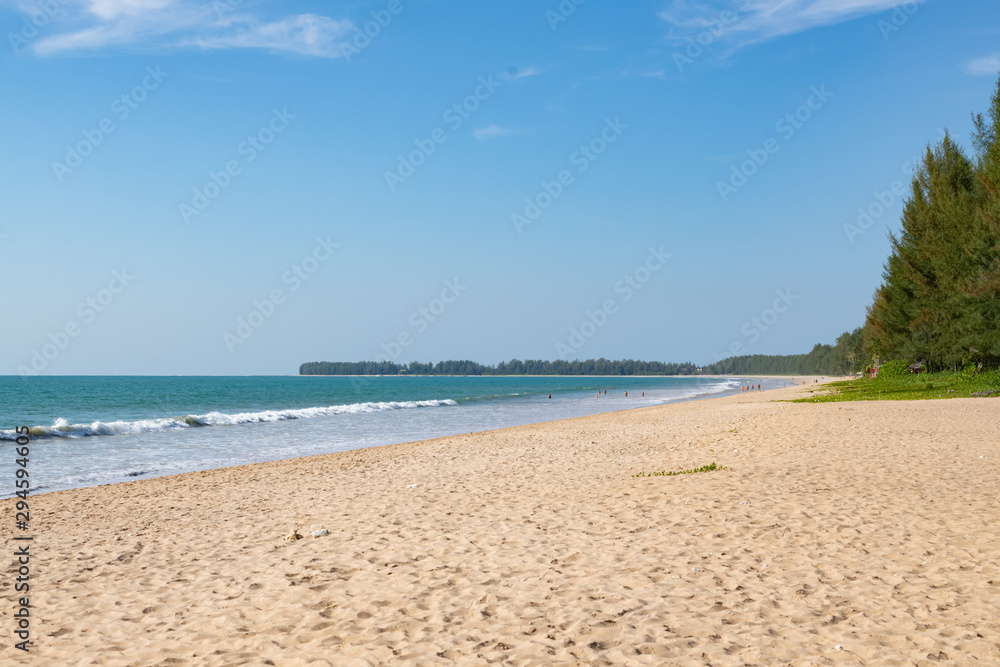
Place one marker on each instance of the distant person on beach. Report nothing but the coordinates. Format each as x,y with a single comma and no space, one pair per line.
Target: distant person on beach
550,395
758,387
626,393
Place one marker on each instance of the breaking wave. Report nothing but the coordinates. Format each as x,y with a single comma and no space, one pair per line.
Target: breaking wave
63,429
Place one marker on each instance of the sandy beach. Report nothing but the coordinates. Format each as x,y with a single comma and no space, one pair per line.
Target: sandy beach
841,533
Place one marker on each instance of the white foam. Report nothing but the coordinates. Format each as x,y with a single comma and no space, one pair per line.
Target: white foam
63,429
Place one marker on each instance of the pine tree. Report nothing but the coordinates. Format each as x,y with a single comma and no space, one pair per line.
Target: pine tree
984,286
920,311
940,296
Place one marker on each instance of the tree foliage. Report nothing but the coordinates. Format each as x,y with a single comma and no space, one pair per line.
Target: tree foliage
512,367
846,356
940,295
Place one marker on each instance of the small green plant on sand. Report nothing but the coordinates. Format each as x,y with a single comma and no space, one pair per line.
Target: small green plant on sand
670,473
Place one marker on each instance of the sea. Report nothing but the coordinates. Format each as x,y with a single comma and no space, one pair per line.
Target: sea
87,431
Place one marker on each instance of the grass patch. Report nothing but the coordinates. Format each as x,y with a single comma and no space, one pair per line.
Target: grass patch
670,473
947,384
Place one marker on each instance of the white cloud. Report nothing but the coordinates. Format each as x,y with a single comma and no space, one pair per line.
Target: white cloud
494,132
109,9
306,34
988,66
513,73
760,20
93,25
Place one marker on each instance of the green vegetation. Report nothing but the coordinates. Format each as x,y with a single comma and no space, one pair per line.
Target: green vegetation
512,367
940,298
895,368
844,358
841,359
946,384
670,473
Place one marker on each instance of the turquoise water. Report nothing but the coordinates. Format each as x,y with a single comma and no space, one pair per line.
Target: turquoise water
98,430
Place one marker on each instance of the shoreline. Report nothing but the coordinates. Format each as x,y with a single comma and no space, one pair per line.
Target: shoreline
195,469
828,537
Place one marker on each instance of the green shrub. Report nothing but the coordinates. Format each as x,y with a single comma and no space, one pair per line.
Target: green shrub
896,368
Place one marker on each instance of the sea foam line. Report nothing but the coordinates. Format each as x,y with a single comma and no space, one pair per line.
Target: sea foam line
63,429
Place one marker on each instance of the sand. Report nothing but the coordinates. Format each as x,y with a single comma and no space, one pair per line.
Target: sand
844,533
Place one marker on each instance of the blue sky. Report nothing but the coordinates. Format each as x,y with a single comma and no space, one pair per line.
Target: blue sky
476,180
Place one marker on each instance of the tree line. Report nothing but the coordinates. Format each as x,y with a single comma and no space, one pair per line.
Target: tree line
844,357
512,367
939,300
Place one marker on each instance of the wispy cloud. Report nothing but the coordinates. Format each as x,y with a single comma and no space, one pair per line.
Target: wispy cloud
755,21
634,71
495,132
109,9
513,73
305,34
987,66
96,25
